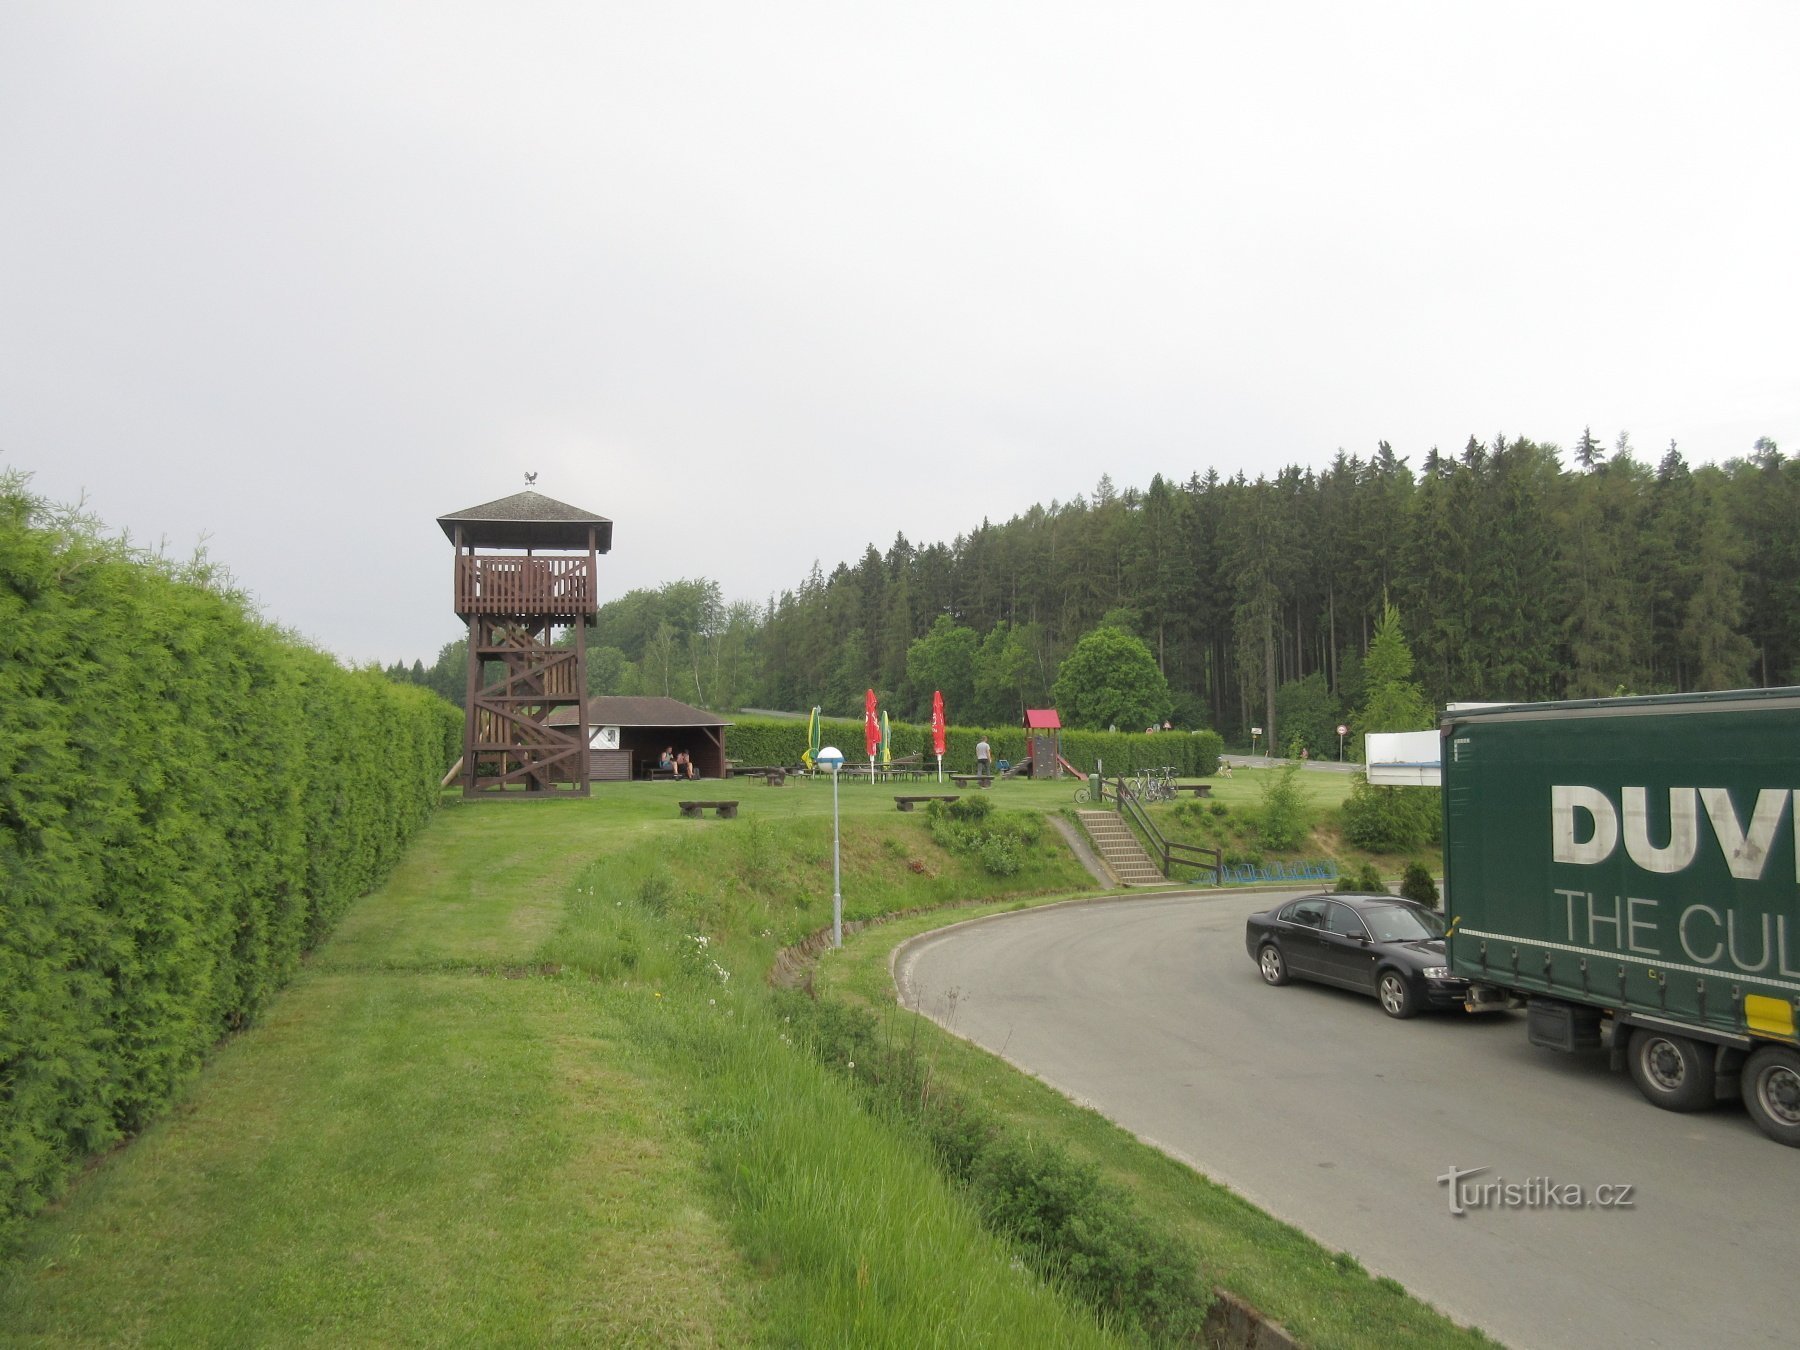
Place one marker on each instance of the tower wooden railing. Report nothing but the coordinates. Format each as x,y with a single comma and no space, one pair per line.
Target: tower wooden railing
557,588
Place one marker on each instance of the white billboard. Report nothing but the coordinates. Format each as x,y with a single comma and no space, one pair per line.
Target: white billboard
1404,758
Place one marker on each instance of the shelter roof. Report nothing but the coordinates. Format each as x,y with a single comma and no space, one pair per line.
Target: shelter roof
614,711
528,520
1042,719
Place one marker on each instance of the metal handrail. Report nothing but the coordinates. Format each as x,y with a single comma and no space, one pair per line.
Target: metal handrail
1130,806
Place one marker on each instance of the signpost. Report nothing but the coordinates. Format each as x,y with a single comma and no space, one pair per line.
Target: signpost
1255,736
1343,731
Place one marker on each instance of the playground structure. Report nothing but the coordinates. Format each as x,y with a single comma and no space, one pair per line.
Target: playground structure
1043,743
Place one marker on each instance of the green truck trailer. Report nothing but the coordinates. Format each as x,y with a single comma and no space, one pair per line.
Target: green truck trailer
1629,868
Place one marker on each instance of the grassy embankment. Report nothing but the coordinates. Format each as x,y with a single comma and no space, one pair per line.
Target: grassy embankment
515,1099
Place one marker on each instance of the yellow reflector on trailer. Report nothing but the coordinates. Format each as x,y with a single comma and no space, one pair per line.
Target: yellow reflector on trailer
1769,1016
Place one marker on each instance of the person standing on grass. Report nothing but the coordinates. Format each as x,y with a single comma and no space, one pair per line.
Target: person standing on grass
983,757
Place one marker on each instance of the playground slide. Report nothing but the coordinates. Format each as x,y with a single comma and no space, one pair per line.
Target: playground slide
1071,768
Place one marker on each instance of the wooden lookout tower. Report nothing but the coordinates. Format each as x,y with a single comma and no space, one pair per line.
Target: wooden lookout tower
517,602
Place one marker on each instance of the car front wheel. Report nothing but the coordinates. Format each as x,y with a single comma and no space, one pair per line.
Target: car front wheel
1274,969
1396,994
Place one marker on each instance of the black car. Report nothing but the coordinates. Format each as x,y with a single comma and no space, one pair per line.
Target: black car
1374,944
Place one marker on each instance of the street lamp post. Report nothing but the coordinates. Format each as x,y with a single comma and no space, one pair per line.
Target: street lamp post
831,759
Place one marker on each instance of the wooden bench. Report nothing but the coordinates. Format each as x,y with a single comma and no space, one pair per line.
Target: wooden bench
1198,789
724,810
962,780
907,803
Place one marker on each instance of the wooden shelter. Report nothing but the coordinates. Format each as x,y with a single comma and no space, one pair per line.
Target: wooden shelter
516,603
626,736
1043,742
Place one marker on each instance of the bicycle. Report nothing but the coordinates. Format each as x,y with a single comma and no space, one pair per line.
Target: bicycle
1155,785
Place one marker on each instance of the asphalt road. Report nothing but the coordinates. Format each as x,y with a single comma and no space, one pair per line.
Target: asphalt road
1317,1107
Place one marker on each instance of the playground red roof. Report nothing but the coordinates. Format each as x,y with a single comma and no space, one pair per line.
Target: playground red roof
1042,719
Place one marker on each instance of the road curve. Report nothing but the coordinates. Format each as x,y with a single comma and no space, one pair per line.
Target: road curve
1341,1121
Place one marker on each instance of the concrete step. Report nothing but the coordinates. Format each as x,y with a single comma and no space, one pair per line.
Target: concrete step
1119,849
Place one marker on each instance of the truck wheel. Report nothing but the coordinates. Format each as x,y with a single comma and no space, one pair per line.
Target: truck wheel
1671,1071
1396,994
1771,1087
1274,969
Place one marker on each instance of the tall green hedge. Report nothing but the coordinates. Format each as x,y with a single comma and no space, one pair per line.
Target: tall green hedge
188,800
780,741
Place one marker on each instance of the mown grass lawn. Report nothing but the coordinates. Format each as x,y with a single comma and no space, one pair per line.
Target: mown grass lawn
532,1091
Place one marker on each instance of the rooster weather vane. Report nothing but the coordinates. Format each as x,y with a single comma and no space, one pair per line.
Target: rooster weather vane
530,478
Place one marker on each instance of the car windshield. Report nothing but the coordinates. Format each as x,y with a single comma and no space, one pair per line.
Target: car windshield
1402,923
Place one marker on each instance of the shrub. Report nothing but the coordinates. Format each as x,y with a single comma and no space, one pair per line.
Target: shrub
1087,1236
1000,856
968,826
972,809
1417,884
188,800
1282,818
1363,878
1392,819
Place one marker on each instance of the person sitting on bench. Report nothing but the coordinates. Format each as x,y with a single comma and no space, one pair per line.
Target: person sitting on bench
684,767
668,759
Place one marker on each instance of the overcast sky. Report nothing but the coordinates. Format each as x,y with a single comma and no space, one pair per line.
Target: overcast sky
765,282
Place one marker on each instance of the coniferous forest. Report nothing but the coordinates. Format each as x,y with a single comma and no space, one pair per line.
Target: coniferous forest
1517,574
